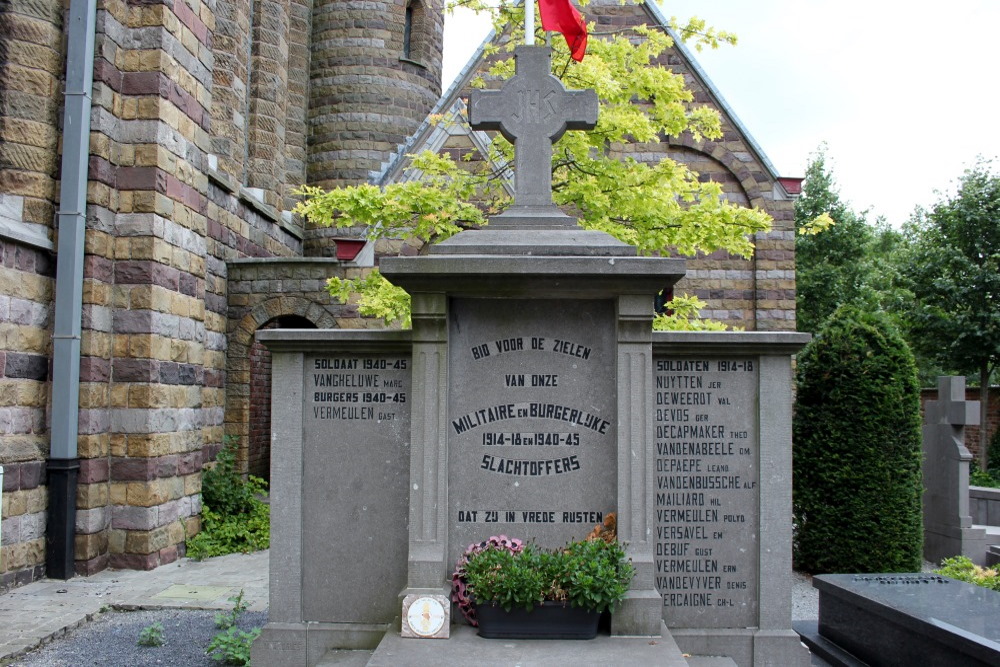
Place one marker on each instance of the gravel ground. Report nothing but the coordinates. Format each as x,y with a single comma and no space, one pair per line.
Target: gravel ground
111,640
805,598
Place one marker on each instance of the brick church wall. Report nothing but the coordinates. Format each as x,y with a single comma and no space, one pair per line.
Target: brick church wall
259,445
148,190
162,222
26,284
30,73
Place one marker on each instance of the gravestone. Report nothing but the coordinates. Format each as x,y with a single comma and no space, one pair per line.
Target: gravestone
530,399
900,620
948,529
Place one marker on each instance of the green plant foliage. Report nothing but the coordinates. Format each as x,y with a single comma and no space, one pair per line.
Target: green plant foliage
963,569
232,647
953,273
857,449
224,489
592,574
987,478
510,580
234,519
231,534
152,635
683,314
830,264
654,206
224,621
460,593
994,453
990,477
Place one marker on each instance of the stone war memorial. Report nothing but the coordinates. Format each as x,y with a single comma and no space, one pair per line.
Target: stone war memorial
530,399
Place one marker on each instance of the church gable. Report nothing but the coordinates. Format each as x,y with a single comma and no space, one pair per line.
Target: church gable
754,294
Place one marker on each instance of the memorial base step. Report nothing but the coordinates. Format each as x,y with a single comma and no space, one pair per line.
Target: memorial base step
822,648
710,661
345,658
465,646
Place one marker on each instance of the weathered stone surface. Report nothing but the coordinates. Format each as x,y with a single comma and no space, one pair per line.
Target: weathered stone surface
707,495
364,399
530,420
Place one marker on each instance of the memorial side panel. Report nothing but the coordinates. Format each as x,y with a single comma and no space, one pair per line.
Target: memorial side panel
531,419
707,501
355,476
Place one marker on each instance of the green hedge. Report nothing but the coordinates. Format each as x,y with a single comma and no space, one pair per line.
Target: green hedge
857,480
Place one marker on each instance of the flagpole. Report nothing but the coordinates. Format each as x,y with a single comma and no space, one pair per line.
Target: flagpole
529,22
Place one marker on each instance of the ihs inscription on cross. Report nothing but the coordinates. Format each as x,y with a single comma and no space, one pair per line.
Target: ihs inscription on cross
532,110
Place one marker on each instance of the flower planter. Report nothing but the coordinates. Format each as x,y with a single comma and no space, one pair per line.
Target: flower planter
548,620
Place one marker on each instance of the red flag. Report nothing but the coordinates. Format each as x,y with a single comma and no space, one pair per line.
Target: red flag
561,16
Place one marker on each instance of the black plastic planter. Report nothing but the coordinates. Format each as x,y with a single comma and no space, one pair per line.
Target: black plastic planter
548,620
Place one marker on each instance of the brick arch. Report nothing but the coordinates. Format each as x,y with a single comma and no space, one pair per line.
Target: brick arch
259,416
746,183
754,190
238,365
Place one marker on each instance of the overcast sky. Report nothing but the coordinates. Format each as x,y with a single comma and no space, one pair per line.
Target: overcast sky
905,95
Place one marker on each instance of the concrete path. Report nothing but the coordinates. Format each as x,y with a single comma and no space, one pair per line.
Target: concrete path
42,611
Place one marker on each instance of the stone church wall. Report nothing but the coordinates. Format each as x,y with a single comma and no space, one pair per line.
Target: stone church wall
30,75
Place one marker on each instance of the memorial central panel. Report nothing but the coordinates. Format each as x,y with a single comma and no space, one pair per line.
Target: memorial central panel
531,419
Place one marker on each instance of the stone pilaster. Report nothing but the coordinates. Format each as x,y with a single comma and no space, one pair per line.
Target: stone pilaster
428,560
640,613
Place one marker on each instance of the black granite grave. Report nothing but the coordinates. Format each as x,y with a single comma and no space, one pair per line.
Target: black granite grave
904,620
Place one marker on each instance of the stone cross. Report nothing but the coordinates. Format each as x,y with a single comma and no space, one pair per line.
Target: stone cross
948,529
532,110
